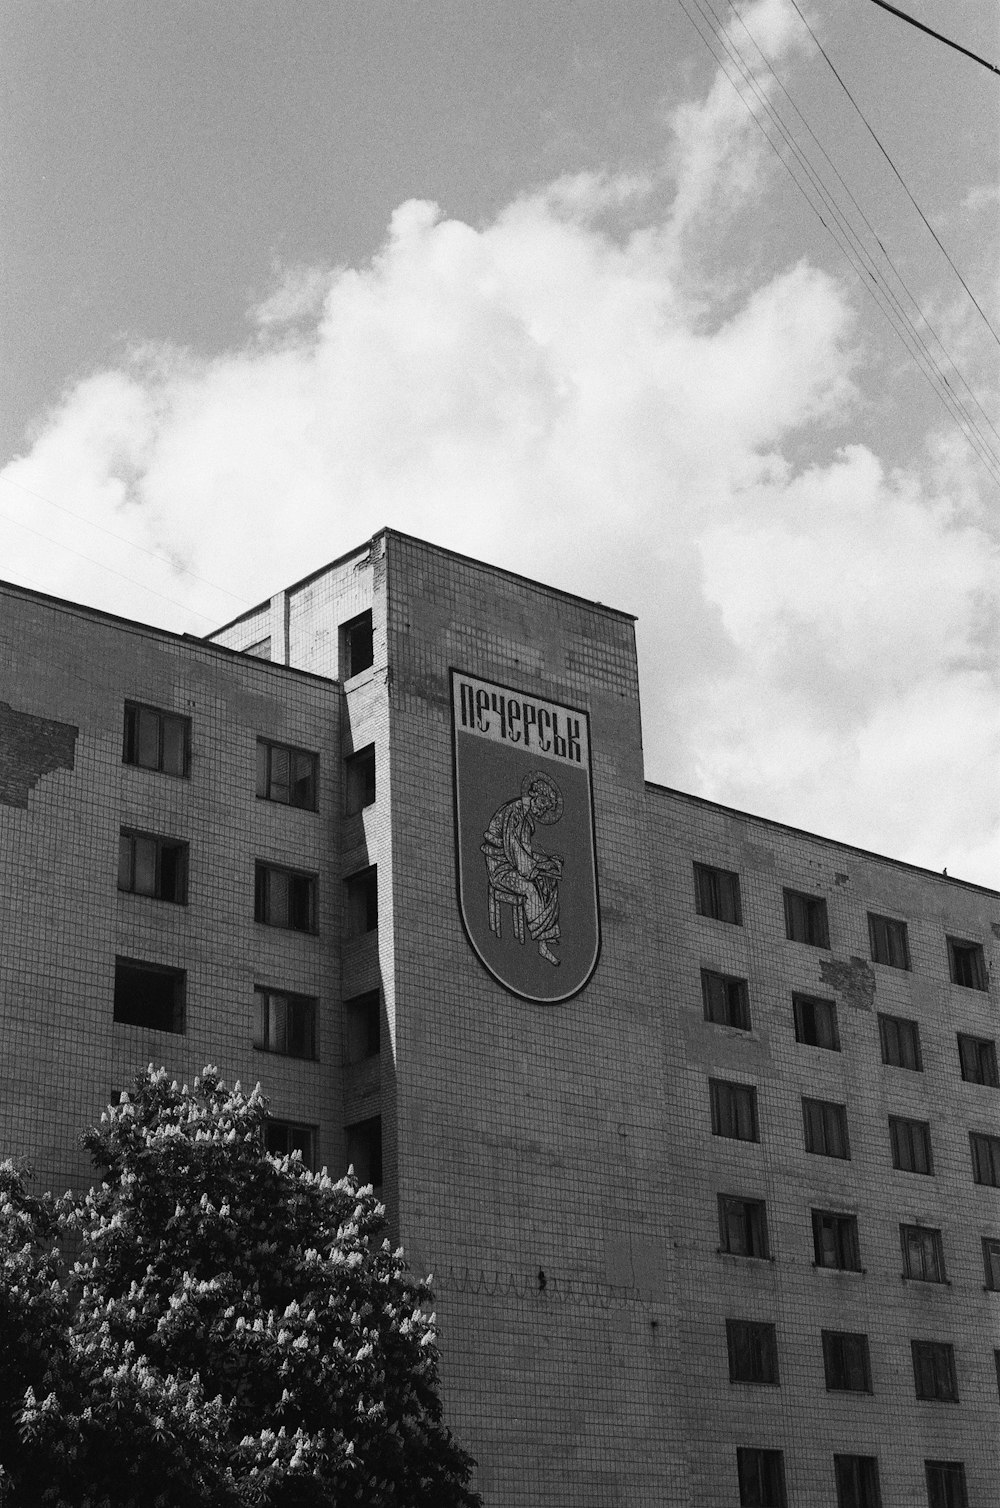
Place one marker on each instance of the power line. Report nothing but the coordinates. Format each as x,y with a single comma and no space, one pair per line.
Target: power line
838,225
154,554
102,567
872,231
941,38
861,116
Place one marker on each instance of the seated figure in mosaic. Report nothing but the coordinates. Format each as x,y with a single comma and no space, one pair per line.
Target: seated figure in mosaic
520,875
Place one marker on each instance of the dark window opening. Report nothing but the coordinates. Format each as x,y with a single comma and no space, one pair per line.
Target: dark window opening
717,894
285,898
359,780
358,645
835,1240
846,1362
816,1022
978,1057
726,999
362,1027
825,1125
857,1481
286,775
753,1351
156,740
157,867
934,1370
742,1226
364,1149
762,1478
911,1145
967,964
923,1253
734,1110
946,1484
991,1262
985,1158
900,1042
362,902
286,1023
149,995
888,941
283,1138
806,920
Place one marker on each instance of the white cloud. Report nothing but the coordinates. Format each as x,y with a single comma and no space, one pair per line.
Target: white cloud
546,391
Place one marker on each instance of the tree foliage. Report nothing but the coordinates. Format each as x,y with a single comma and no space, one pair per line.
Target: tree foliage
212,1325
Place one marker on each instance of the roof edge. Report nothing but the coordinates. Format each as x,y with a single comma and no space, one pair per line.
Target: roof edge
803,832
136,626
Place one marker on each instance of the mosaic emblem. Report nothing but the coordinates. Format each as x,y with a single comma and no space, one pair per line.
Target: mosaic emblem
524,837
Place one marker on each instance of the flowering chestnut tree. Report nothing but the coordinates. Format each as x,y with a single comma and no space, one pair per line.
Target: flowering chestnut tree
213,1326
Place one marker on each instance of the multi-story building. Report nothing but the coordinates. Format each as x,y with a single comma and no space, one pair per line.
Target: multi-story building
692,1115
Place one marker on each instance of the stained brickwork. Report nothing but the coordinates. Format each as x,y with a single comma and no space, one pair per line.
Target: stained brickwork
65,921
559,1169
31,747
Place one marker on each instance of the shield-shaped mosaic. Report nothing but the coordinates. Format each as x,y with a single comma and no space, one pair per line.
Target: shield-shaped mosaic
524,838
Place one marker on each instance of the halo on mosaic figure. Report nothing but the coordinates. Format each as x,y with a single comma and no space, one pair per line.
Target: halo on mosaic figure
538,784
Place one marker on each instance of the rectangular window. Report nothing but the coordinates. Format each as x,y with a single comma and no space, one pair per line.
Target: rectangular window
923,1253
991,1262
911,1145
846,1362
946,1484
825,1125
717,894
857,1482
282,1138
900,1039
816,1022
362,1027
934,1370
835,1240
286,775
359,780
727,1000
285,898
753,1351
286,1023
888,941
146,994
985,1158
967,964
362,902
357,645
156,740
734,1110
743,1226
805,919
364,1149
157,867
762,1478
978,1057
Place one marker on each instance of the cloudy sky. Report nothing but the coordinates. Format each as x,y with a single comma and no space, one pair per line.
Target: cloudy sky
529,280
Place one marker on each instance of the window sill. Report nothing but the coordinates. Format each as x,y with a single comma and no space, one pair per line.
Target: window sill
854,1272
293,931
293,1057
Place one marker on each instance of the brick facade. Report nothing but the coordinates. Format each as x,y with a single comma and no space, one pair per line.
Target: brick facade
557,1168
